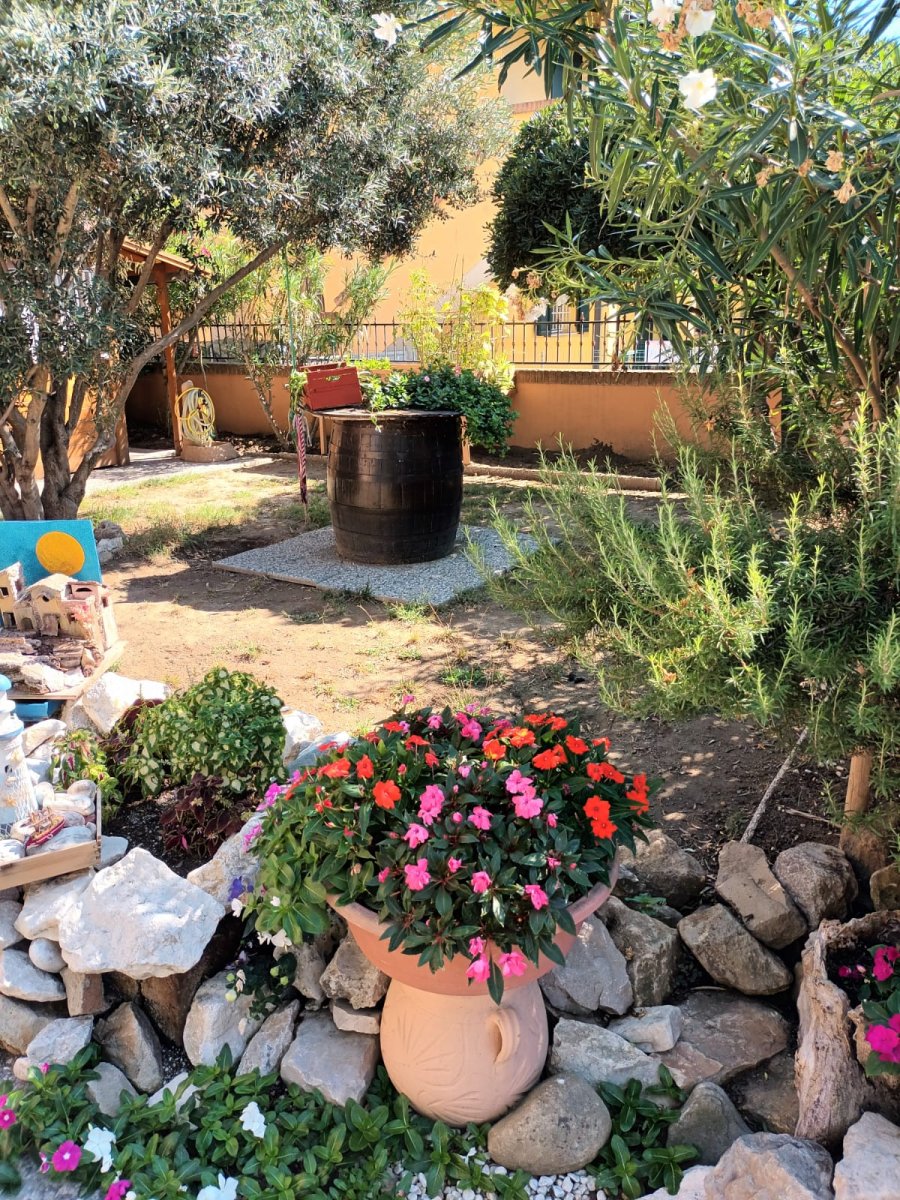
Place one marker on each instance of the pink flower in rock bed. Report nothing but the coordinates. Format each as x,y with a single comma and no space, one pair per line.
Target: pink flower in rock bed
885,1040
118,1190
885,957
431,802
479,970
480,818
7,1118
250,835
481,881
417,876
536,895
416,835
66,1157
512,963
527,807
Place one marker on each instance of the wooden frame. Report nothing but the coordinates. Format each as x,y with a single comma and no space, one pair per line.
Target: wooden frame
54,863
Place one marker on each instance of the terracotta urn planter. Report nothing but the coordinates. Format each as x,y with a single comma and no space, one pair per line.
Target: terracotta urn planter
457,1055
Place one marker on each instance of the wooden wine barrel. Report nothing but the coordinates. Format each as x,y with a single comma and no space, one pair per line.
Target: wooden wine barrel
395,486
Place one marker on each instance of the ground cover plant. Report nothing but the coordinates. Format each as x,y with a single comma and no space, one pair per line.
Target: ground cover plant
467,833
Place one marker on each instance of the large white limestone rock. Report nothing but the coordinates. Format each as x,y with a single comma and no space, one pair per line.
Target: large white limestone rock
215,1021
139,918
45,903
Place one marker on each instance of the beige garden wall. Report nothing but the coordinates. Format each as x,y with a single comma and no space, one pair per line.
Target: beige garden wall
578,407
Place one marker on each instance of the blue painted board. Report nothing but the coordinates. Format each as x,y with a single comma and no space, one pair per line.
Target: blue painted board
19,538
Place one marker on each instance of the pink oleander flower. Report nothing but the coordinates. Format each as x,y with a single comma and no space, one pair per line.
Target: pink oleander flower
118,1190
536,895
384,874
454,864
431,802
885,1039
470,729
512,963
885,957
416,835
479,970
66,1157
434,721
480,818
7,1118
527,806
464,770
417,876
551,820
481,881
476,946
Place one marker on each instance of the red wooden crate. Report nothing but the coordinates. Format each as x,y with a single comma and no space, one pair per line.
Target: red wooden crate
332,386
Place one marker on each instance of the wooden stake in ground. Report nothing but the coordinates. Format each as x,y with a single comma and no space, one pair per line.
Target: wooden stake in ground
864,848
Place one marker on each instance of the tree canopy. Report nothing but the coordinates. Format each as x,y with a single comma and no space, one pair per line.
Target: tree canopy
286,121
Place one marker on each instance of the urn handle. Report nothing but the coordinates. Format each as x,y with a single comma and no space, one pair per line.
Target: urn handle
510,1031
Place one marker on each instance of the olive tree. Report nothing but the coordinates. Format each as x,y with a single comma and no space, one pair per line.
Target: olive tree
306,122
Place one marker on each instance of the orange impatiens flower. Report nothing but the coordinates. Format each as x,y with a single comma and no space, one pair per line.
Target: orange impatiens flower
597,809
576,745
536,718
386,794
555,756
638,794
520,736
335,770
556,723
493,749
604,770
603,829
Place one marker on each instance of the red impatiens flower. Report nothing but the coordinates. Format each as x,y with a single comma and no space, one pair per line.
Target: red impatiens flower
493,749
638,794
431,759
414,740
556,723
364,768
555,756
604,770
536,718
576,745
386,793
396,727
597,809
339,769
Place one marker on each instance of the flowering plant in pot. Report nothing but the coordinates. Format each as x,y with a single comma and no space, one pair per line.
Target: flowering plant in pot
876,983
467,835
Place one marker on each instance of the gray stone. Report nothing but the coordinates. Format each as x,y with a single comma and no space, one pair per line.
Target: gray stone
112,849
84,993
45,903
746,883
20,1023
884,884
75,835
708,1121
107,701
45,955
340,1065
650,949
21,979
131,1043
598,1055
731,955
723,1035
693,1186
310,969
870,1167
768,1094
594,976
559,1127
9,914
231,861
299,730
664,869
351,977
11,851
52,1186
771,1166
106,1091
268,1047
168,999
651,1029
139,918
819,879
215,1022
355,1020
60,1041
41,733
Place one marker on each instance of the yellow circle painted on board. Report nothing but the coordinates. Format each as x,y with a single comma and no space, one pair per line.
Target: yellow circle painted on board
60,553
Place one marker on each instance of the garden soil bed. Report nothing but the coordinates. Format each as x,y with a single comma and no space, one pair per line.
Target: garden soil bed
348,659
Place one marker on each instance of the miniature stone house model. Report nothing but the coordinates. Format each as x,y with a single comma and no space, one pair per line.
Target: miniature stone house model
59,606
12,585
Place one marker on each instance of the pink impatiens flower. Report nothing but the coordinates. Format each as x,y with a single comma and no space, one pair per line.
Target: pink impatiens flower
434,721
481,881
885,957
885,1039
476,946
454,864
479,970
470,729
416,835
536,895
431,802
551,820
384,874
516,782
527,806
456,818
464,770
66,1157
512,963
480,818
417,876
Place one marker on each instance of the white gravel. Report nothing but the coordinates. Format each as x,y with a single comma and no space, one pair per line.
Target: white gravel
578,1185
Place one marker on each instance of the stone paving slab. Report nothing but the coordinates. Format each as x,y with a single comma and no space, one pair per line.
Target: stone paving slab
311,559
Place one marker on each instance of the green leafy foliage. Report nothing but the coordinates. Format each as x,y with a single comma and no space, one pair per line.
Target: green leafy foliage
486,407
433,821
636,1158
227,727
81,755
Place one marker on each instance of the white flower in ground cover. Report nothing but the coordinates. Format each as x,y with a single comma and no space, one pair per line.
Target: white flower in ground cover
252,1120
387,27
100,1142
698,21
662,14
698,87
225,1190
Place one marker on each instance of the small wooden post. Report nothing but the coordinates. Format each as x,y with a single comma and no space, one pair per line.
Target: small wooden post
862,845
165,324
857,797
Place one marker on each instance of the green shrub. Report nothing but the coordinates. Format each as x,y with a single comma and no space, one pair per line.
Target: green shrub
486,406
229,726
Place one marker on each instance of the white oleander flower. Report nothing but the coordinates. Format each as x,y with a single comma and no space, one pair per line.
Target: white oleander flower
387,27
698,88
662,14
253,1121
698,21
